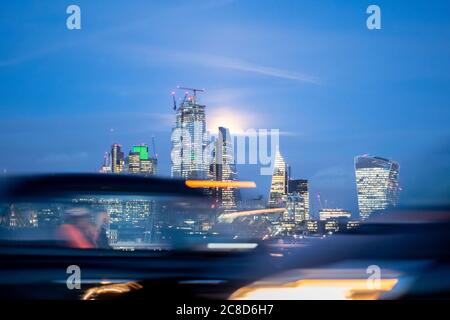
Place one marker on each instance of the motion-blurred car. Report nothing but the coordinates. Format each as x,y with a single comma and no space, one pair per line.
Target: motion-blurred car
144,238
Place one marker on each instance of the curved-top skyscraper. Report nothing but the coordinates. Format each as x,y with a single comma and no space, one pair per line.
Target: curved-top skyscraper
376,183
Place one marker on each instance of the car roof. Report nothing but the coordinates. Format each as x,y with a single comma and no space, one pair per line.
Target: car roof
48,186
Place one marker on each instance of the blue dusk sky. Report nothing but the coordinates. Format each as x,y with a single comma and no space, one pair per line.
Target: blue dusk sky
311,69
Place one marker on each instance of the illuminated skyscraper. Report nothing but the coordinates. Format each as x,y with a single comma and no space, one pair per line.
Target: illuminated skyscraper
129,220
300,187
189,141
139,161
376,183
224,169
133,162
279,185
295,209
149,166
117,158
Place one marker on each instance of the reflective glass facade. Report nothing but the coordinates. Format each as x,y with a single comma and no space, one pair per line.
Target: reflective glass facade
279,185
224,169
376,183
189,141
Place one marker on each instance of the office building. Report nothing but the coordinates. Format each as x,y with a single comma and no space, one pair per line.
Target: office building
224,169
117,158
300,187
334,213
279,185
295,212
189,141
376,183
140,162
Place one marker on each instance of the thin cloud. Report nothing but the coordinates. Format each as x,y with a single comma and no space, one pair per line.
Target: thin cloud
153,54
56,47
39,53
241,65
263,70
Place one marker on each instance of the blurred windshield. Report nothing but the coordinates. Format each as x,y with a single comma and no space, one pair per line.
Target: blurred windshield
124,222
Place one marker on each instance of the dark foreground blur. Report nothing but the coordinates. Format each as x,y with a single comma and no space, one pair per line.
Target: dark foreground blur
120,237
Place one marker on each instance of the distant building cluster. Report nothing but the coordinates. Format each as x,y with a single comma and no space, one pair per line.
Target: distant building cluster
377,184
198,157
192,160
288,203
291,194
138,161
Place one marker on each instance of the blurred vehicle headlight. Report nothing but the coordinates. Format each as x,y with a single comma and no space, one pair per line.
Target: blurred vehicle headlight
99,292
317,289
320,284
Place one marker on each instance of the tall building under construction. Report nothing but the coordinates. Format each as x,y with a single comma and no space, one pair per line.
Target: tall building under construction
189,139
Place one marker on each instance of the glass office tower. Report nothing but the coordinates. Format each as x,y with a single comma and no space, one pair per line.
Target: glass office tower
189,142
117,158
300,186
279,185
376,183
224,169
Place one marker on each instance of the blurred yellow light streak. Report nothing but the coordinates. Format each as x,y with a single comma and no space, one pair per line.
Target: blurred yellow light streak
116,288
323,289
220,184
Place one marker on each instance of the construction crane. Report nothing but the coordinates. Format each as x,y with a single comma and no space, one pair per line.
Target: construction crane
194,91
155,155
186,96
174,101
192,99
319,200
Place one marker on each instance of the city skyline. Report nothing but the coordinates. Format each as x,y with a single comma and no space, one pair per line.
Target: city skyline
376,178
332,87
